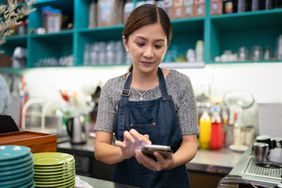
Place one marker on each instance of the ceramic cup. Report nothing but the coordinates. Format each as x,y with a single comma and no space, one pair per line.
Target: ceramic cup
275,155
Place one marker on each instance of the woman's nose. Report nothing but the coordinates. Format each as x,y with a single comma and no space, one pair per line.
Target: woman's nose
148,52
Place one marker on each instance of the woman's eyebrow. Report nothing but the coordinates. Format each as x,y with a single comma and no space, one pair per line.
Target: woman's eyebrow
143,38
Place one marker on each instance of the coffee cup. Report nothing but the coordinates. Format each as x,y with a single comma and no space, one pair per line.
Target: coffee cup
264,139
260,152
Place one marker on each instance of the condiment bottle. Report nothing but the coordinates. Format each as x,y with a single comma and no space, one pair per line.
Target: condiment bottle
228,6
216,132
205,130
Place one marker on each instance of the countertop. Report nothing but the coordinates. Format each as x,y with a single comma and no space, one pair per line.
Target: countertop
97,183
212,161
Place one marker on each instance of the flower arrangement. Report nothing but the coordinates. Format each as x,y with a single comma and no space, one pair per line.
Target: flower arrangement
11,15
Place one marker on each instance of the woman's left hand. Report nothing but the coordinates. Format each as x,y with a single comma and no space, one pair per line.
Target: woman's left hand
160,164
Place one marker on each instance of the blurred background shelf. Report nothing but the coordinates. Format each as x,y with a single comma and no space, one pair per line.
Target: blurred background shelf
219,32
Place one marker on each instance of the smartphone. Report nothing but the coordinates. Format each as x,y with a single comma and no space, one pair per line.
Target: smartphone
164,150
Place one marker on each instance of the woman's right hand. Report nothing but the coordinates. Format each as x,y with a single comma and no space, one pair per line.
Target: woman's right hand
132,141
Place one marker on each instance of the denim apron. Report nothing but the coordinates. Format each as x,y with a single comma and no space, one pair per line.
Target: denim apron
158,119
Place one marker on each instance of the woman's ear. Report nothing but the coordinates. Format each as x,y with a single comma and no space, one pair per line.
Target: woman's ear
124,43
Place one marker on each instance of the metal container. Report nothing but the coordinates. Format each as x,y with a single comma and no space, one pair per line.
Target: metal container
260,151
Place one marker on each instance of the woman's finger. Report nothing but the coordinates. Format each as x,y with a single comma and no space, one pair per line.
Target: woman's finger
119,143
128,136
140,159
140,137
135,134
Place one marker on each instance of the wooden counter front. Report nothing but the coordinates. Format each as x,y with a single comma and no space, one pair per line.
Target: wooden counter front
37,142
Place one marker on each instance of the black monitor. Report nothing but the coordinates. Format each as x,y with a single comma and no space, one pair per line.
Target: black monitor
7,124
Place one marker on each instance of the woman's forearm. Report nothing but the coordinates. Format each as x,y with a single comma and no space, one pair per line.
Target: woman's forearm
186,152
107,153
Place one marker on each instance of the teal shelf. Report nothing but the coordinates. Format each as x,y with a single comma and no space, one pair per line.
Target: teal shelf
50,45
249,13
248,20
16,71
219,33
247,29
103,29
43,2
61,34
248,62
16,41
16,38
12,42
67,4
188,25
185,20
36,19
186,32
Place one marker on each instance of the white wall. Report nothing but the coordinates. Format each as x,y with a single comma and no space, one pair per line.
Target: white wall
262,80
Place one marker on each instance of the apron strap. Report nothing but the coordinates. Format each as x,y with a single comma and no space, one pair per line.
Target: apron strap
123,107
162,84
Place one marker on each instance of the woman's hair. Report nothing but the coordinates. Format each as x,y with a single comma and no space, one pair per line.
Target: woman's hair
144,15
147,14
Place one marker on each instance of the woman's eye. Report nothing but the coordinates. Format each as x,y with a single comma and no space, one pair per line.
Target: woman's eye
158,46
140,44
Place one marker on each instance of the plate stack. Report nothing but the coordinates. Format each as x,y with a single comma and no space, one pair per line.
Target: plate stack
54,169
16,167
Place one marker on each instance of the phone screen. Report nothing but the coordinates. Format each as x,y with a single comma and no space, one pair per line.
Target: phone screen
149,150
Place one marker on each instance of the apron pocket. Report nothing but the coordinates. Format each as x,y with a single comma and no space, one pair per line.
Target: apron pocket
146,128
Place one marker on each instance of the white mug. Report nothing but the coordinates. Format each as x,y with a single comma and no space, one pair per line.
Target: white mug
275,155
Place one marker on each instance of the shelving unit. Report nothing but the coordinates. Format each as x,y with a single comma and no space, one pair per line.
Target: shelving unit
219,33
12,42
231,31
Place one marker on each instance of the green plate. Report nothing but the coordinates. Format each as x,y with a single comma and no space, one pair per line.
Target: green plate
51,158
63,172
39,180
64,184
51,176
54,169
51,182
70,163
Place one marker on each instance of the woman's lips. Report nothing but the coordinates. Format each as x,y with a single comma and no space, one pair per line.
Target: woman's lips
146,63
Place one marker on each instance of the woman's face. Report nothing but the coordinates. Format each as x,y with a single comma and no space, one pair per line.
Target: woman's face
147,47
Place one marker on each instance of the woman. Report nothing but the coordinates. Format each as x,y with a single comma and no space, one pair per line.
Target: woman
5,98
148,105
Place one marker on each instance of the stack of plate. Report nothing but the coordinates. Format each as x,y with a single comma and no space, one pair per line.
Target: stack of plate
16,167
54,169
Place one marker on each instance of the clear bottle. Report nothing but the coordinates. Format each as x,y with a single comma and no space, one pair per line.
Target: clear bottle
199,51
268,4
244,5
228,6
205,130
279,47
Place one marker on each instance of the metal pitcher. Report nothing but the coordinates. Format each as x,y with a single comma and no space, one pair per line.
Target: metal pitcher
76,128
